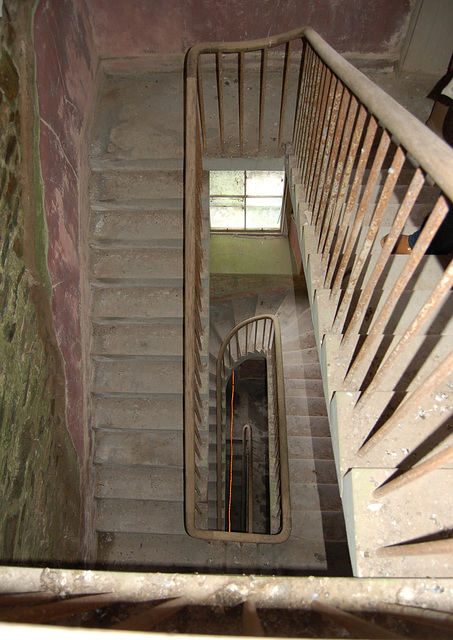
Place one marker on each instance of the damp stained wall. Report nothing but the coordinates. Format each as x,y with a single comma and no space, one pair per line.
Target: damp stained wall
65,70
140,27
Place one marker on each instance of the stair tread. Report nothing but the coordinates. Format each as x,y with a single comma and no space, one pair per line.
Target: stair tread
114,185
135,262
136,225
140,516
138,482
139,339
137,376
415,512
150,448
137,301
183,552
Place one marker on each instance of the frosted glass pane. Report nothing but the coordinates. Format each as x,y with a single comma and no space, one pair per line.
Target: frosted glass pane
263,213
227,217
226,183
265,183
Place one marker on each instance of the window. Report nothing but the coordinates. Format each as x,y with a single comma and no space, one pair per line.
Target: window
246,200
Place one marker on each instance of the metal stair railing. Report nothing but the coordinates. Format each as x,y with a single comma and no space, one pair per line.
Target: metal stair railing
258,335
347,135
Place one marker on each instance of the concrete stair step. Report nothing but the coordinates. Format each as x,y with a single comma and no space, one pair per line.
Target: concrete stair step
420,359
243,308
140,115
140,516
300,356
307,425
416,512
310,448
332,527
427,194
297,406
137,339
269,302
136,226
293,372
159,552
151,448
312,471
304,388
293,307
315,496
106,164
406,309
136,263
182,552
162,375
139,482
120,301
425,431
137,412
301,341
118,186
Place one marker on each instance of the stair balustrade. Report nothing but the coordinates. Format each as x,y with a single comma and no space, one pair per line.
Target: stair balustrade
360,171
258,335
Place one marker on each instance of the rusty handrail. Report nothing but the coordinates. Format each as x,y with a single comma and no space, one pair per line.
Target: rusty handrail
267,342
247,475
333,99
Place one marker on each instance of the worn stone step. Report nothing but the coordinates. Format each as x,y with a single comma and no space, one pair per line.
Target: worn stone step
182,552
419,359
136,263
305,447
312,471
296,339
418,511
140,516
106,164
305,406
136,226
139,482
243,308
159,552
307,425
137,339
137,376
294,309
406,309
269,302
425,431
301,372
140,115
151,448
137,412
300,356
307,527
315,496
116,301
120,186
304,388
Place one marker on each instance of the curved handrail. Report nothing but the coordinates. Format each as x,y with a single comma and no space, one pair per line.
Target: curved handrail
412,133
268,341
433,157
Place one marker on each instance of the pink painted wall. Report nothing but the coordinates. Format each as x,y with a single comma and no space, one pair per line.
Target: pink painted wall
65,65
139,27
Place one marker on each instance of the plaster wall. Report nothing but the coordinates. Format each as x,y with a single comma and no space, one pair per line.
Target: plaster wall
251,255
140,27
66,61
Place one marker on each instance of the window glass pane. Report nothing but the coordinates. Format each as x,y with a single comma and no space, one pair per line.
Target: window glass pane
265,183
263,213
226,183
227,217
